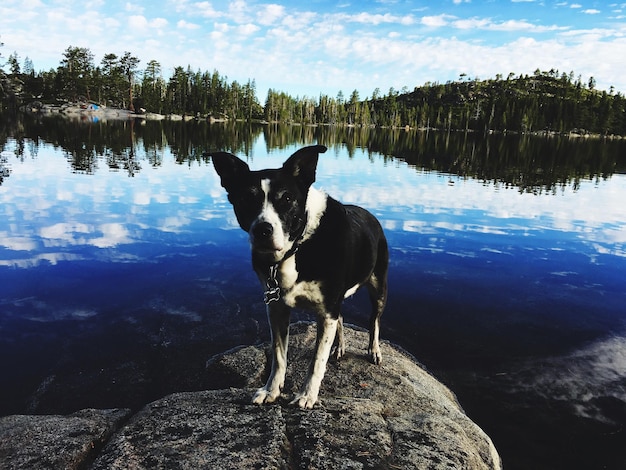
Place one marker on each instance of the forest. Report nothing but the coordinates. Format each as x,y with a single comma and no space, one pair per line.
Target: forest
546,101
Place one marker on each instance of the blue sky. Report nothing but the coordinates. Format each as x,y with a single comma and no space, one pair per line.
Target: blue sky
318,46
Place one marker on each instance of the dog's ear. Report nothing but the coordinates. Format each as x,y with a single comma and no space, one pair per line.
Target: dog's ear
303,163
229,167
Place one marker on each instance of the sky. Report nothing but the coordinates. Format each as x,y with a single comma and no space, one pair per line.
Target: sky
321,47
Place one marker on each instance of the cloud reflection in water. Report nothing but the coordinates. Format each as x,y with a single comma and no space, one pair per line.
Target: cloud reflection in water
480,273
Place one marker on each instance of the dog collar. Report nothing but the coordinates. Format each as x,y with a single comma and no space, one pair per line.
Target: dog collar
272,288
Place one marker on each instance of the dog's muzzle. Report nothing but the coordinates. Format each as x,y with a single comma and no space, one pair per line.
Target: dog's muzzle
263,239
263,231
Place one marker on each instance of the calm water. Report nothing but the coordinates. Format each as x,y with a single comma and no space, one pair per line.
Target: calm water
122,269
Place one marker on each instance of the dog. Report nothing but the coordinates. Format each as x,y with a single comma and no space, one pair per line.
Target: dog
309,251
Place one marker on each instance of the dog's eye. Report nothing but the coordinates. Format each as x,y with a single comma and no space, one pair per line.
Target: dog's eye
285,199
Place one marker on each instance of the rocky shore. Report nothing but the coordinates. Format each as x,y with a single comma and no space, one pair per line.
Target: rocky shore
93,111
392,416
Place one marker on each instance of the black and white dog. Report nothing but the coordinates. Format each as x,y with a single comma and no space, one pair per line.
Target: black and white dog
308,251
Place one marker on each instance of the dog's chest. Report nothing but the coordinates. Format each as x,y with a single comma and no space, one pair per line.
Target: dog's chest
296,292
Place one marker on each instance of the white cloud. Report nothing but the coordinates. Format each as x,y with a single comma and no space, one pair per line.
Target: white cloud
113,234
590,35
239,11
111,23
158,23
206,10
133,8
300,21
52,258
141,23
521,25
221,27
64,234
591,11
247,29
270,14
173,224
436,21
141,198
581,379
308,50
182,24
377,18
17,243
472,23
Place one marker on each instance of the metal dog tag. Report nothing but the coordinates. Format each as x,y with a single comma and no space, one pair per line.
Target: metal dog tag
272,291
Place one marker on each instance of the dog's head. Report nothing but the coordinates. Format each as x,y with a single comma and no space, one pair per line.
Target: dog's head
270,204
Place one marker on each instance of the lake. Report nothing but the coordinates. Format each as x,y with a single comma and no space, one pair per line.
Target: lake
122,269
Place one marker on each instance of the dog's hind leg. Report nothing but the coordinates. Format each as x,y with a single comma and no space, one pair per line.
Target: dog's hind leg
278,314
377,289
340,347
326,331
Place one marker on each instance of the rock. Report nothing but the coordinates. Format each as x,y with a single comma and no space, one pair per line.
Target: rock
28,442
212,429
154,117
395,415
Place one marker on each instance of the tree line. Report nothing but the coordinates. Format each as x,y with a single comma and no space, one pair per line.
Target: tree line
544,101
118,82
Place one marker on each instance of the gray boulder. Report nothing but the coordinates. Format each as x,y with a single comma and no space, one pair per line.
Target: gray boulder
56,442
395,415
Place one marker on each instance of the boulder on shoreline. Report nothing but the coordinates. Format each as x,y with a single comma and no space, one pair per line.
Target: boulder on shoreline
395,415
51,441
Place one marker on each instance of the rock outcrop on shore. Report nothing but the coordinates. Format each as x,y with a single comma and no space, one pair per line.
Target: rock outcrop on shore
92,110
395,415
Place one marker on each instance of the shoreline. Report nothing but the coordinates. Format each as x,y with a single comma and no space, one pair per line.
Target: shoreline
75,110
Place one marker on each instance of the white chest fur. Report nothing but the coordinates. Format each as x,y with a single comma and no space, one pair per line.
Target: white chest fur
293,291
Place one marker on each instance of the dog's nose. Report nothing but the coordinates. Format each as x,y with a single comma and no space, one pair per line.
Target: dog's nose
262,230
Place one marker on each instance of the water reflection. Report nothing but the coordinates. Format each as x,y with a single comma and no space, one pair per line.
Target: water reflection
529,163
565,379
120,258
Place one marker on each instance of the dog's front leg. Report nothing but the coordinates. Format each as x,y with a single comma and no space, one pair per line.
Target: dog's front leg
326,330
278,314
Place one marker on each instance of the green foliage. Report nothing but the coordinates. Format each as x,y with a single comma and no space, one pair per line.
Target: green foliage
543,102
75,76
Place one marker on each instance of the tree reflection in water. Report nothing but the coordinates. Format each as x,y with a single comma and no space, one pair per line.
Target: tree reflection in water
530,163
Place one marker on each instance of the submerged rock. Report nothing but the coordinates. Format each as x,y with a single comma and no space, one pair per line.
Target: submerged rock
395,415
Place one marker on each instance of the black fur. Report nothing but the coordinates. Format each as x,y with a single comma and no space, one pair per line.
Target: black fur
314,249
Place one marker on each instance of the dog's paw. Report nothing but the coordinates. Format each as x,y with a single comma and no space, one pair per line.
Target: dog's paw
338,352
304,401
376,356
263,395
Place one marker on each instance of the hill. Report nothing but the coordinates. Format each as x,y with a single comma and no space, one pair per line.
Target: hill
545,101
